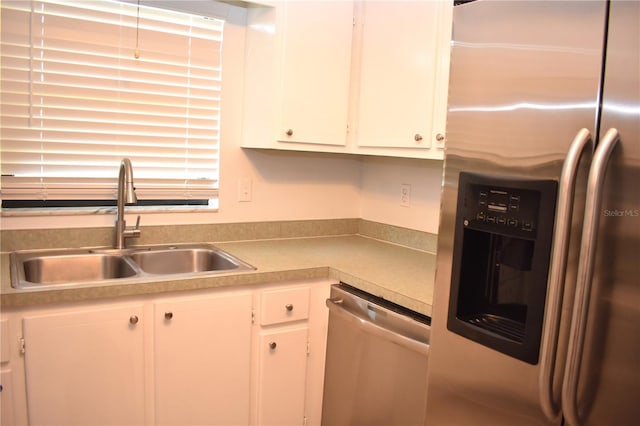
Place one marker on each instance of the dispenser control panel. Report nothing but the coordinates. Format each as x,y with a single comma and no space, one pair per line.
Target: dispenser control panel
512,210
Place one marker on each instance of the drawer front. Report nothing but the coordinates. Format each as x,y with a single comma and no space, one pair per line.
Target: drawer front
284,305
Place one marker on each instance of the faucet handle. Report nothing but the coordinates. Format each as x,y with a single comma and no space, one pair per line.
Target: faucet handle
132,232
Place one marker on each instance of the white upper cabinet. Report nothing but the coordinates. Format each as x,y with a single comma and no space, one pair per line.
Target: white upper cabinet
401,68
363,77
298,60
316,62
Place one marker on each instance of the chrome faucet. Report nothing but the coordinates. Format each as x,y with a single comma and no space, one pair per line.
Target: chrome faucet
126,195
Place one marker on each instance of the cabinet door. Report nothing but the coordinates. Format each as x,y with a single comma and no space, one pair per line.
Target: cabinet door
85,367
7,416
202,359
316,62
400,63
282,376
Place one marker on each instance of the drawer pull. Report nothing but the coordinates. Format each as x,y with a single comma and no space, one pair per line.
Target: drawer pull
133,319
288,307
272,345
168,316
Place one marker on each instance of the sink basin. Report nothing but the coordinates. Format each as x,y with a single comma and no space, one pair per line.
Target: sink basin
68,268
55,268
182,260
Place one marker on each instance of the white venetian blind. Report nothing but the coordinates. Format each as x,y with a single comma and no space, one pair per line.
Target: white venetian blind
76,100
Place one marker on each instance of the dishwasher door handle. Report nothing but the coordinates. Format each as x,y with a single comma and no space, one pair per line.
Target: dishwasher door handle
369,327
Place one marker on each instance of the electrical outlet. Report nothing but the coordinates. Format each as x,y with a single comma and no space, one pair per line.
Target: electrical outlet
405,195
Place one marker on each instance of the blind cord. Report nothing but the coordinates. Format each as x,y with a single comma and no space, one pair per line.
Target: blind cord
136,53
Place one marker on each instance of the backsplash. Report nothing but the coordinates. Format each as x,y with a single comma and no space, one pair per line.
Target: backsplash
411,238
12,240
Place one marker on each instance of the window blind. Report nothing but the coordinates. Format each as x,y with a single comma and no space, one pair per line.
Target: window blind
87,83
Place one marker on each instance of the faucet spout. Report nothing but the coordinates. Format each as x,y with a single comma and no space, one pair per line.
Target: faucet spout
126,195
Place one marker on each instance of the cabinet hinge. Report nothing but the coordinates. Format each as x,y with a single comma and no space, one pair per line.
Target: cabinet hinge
304,421
21,345
308,347
253,316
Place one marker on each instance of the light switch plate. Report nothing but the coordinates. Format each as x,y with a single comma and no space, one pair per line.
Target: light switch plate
405,195
245,189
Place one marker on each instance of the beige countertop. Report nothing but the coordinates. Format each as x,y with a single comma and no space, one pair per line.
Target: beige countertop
399,274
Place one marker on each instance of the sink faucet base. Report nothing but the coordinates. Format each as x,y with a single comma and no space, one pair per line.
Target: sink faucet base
126,195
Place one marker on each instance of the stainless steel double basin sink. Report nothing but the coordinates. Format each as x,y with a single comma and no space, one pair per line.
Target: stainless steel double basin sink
68,267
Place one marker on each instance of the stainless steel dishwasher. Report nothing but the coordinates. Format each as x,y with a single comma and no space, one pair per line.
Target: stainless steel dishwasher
376,365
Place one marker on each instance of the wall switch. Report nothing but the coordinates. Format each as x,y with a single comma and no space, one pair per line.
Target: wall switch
405,195
244,189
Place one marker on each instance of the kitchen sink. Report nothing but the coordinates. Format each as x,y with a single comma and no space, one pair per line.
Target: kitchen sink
55,268
75,267
183,260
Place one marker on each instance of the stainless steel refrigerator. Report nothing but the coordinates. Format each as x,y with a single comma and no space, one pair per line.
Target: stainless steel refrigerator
536,315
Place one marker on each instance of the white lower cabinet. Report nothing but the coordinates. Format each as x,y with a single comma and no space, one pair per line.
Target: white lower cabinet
251,355
202,347
86,366
7,416
290,338
282,371
7,389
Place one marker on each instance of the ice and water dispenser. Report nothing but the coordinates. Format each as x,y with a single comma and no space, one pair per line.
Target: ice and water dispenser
501,254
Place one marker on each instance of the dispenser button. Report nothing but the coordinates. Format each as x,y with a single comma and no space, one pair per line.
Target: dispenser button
514,203
482,198
513,222
527,226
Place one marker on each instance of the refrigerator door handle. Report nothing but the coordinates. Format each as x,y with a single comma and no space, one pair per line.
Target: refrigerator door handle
549,402
585,275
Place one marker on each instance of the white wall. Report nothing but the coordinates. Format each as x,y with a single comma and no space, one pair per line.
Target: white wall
288,185
380,192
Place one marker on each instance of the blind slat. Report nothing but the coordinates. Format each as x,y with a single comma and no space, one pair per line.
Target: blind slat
75,101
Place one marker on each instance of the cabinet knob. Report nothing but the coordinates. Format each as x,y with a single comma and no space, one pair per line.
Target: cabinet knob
289,132
272,345
288,307
418,137
168,315
133,319
439,137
